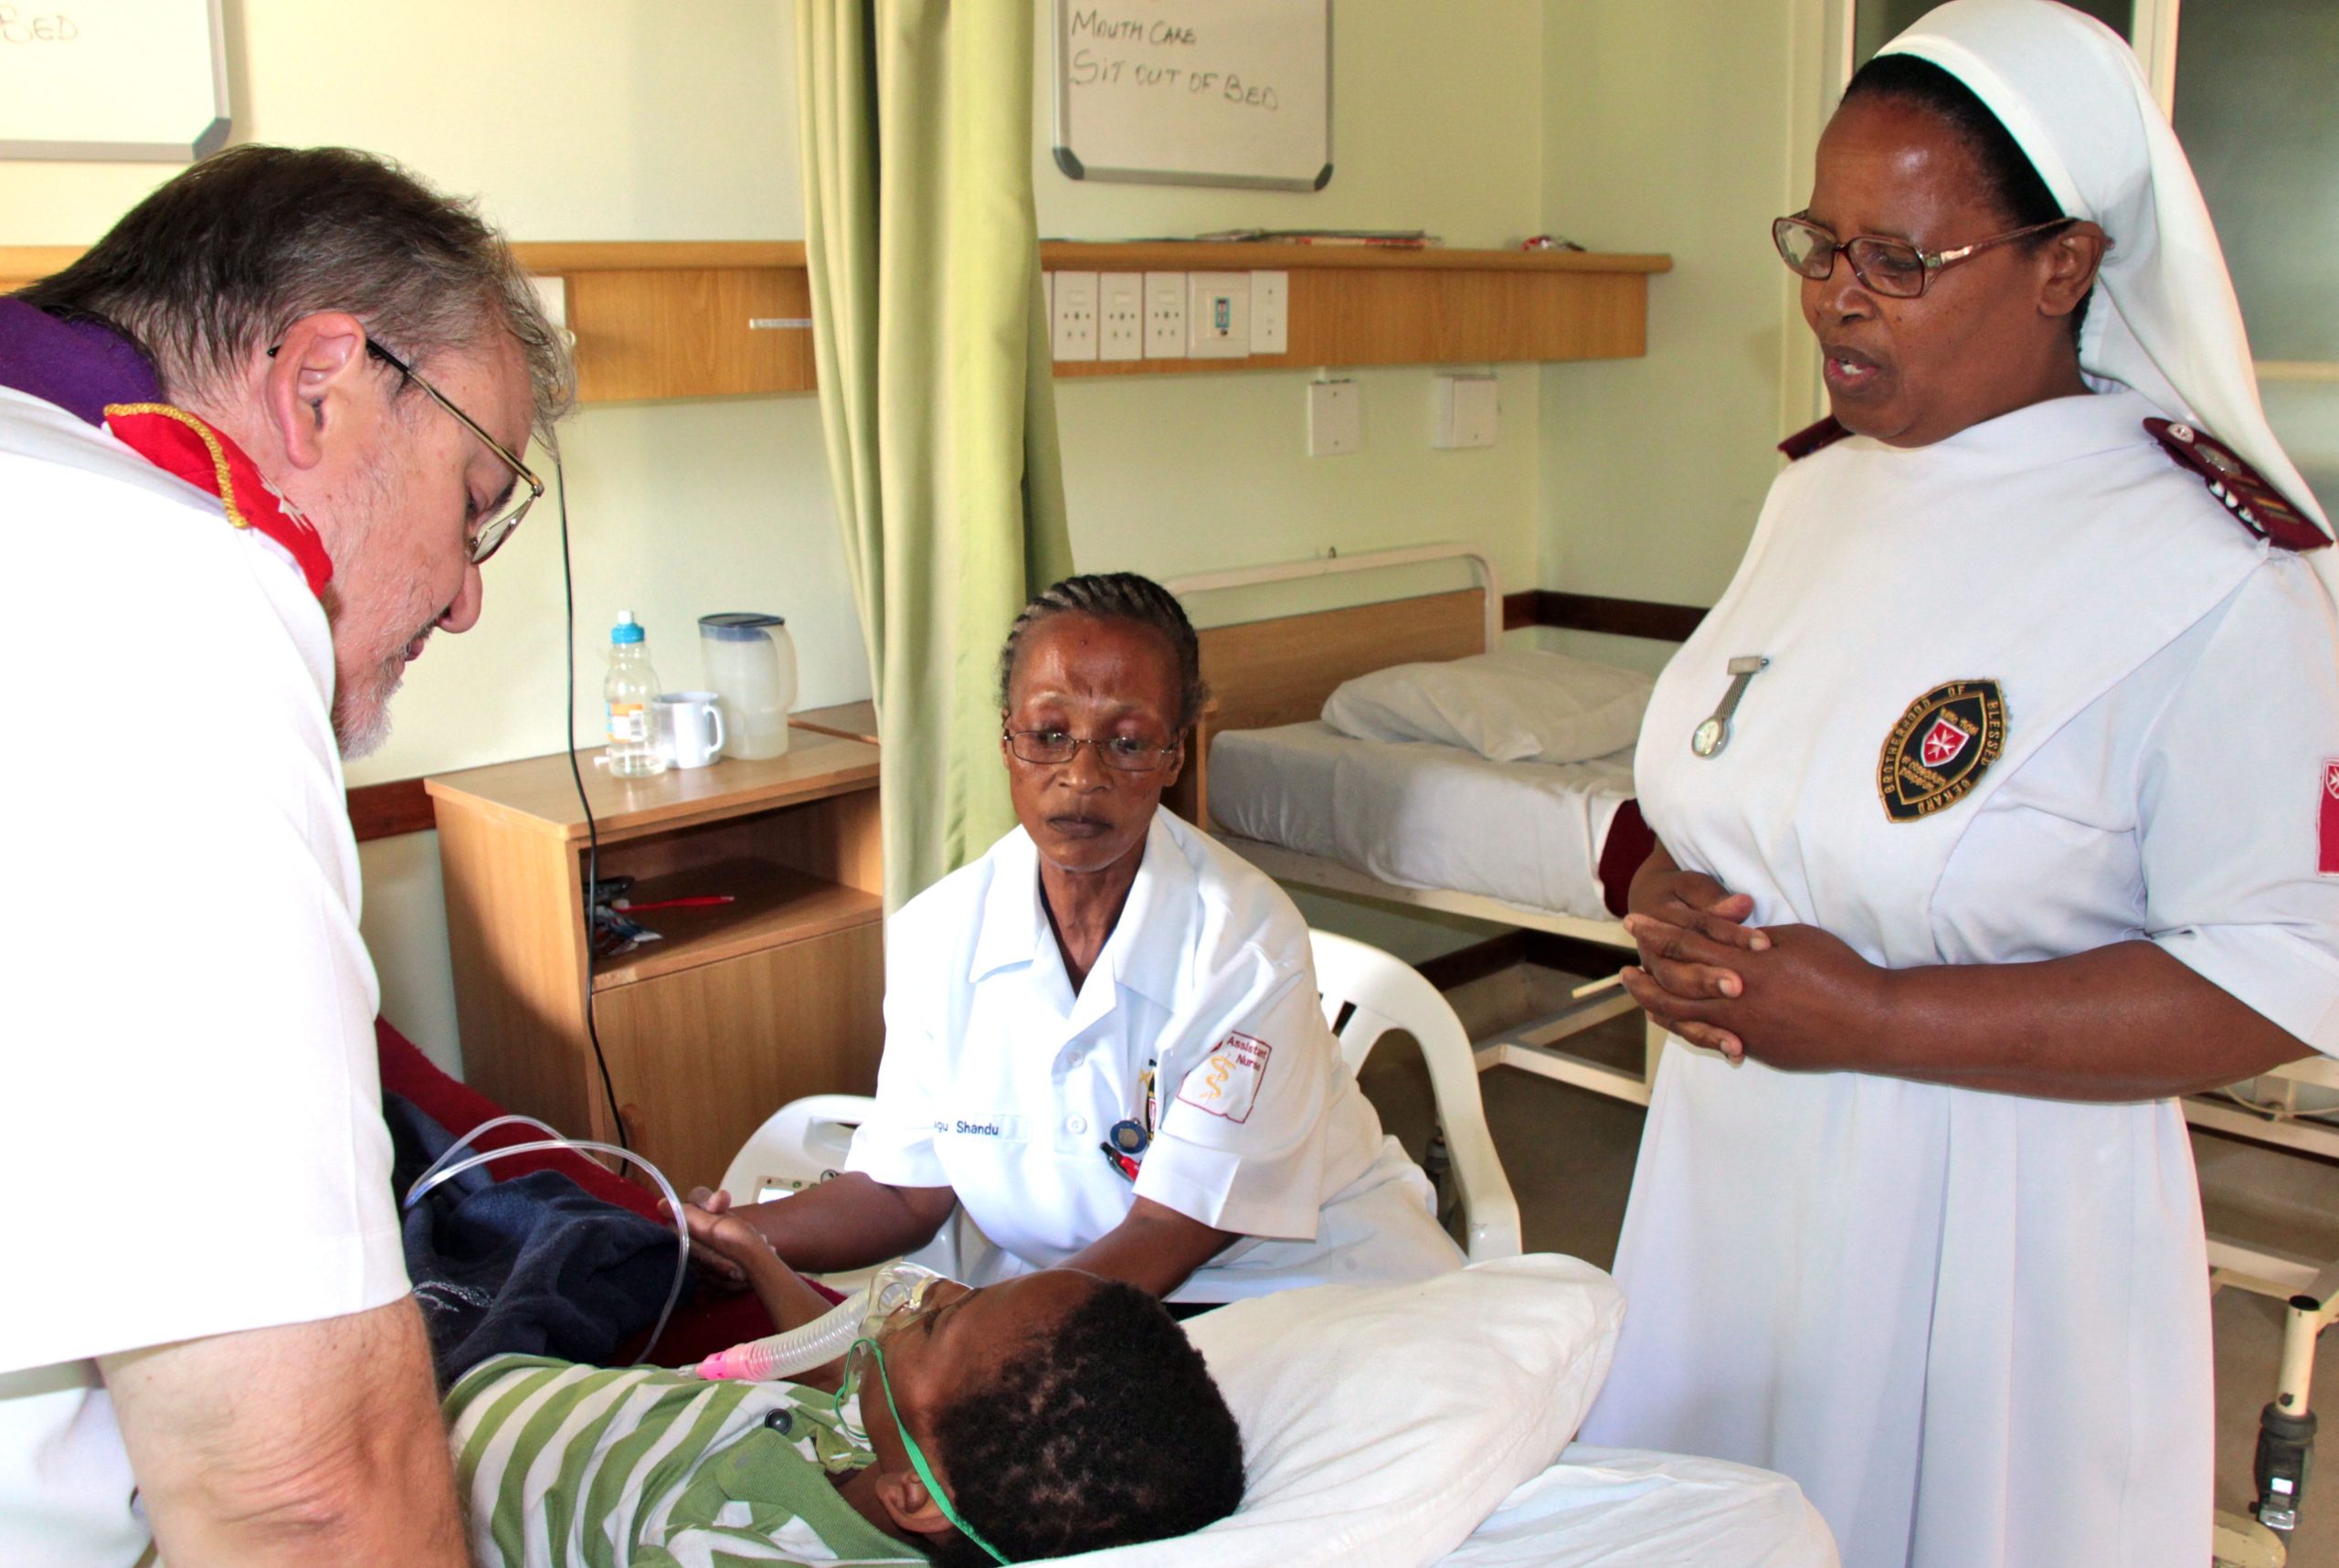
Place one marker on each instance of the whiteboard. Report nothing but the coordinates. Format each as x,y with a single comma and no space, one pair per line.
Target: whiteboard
102,79
1200,93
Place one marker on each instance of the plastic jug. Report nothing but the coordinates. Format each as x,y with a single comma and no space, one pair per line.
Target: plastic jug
751,664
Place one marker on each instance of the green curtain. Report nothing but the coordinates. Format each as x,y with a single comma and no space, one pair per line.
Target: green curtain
933,352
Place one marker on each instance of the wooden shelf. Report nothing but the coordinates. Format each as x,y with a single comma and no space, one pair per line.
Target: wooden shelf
775,905
849,721
540,794
659,320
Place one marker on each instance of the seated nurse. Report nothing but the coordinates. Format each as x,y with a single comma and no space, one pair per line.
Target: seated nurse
1103,1038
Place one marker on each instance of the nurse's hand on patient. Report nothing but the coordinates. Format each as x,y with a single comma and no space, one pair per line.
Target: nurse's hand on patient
715,1267
728,1249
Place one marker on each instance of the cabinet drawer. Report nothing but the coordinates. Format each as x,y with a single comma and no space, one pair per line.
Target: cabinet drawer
701,1056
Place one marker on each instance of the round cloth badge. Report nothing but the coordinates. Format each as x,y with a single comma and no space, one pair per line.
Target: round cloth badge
1939,749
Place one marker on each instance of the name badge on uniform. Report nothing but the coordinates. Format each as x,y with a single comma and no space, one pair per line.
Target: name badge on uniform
981,1125
1226,1081
1939,749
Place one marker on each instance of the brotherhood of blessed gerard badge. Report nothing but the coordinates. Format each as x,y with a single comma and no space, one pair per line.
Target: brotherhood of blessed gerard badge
1941,748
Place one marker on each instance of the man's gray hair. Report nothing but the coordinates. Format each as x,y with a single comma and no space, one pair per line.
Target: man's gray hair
220,260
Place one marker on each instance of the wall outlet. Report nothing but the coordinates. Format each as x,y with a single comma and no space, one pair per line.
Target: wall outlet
1165,316
1468,411
1217,323
1270,312
1074,315
1120,316
1335,418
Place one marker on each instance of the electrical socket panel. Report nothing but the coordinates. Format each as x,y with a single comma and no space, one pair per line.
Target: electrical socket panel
1468,411
1165,316
1218,319
1270,312
1120,316
1335,418
1073,315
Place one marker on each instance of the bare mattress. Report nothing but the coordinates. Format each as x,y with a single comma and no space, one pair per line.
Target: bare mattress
1420,815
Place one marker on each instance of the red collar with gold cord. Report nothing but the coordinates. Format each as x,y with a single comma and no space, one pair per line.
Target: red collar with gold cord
179,443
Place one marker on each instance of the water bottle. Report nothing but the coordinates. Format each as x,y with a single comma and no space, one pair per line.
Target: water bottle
633,750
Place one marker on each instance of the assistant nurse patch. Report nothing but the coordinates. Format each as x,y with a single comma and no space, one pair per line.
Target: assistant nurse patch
1939,749
1226,1081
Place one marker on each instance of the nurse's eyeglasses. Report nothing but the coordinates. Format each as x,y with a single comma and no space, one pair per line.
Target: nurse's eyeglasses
1890,266
1056,748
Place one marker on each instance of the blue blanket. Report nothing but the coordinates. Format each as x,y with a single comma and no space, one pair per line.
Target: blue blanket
533,1265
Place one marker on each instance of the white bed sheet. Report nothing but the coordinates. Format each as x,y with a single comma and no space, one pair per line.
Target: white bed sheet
1420,815
1611,1506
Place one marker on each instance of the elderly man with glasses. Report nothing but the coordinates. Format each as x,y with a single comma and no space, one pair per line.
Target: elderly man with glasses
254,448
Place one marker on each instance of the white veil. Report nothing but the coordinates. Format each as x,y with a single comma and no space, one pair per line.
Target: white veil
2163,320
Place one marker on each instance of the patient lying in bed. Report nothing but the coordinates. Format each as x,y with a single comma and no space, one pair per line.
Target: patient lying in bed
1055,1412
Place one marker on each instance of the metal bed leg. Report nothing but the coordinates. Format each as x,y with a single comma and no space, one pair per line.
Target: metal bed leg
2286,1426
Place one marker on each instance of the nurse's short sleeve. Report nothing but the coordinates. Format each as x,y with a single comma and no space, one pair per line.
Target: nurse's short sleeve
1246,1088
198,1144
2239,806
895,1145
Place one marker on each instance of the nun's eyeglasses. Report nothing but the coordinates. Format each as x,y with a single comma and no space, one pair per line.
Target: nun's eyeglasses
1891,267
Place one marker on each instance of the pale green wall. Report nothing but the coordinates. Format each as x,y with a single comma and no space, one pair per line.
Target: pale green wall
642,120
1672,125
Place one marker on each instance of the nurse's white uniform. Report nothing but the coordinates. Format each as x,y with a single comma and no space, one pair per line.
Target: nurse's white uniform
1975,1326
1001,1083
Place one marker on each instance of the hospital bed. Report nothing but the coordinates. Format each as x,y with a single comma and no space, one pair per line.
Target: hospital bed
1425,826
1356,1455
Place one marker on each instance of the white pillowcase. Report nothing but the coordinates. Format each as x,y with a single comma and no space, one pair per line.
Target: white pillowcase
1380,1424
1514,706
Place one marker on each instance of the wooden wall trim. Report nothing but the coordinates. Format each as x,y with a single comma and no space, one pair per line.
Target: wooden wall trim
1594,613
1545,949
386,811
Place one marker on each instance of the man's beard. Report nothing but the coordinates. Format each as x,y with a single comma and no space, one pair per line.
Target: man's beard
361,720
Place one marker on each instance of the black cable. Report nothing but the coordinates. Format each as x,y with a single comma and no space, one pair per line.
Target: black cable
592,829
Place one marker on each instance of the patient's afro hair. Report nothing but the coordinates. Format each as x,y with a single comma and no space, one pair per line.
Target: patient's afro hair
1104,1433
1118,595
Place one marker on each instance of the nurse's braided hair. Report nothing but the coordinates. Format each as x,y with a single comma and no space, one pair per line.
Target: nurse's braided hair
1118,595
2015,186
1106,1430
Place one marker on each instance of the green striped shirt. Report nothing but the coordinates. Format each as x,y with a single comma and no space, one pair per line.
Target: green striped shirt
563,1464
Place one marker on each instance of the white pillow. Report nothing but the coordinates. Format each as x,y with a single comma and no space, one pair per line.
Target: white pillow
1382,1423
1514,706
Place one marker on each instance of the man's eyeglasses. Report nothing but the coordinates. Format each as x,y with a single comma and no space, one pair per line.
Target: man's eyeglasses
1890,266
489,531
496,524
1056,748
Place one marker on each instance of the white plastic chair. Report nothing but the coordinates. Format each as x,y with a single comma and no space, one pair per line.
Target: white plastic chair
804,1143
1383,992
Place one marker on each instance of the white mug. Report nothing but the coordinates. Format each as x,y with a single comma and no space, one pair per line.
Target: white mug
689,728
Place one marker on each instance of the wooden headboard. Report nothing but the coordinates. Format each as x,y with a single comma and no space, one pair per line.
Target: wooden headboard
1280,670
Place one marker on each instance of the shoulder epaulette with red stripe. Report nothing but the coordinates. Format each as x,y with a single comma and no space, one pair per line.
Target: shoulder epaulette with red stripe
2255,504
1812,439
179,443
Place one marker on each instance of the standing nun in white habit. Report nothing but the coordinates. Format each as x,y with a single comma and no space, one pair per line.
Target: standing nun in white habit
1995,807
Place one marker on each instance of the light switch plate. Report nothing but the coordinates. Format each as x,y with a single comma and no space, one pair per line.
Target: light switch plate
1468,410
1270,312
1218,321
1335,418
1075,314
1120,316
1165,316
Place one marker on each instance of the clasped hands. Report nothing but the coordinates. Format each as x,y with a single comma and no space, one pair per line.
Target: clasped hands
1791,997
